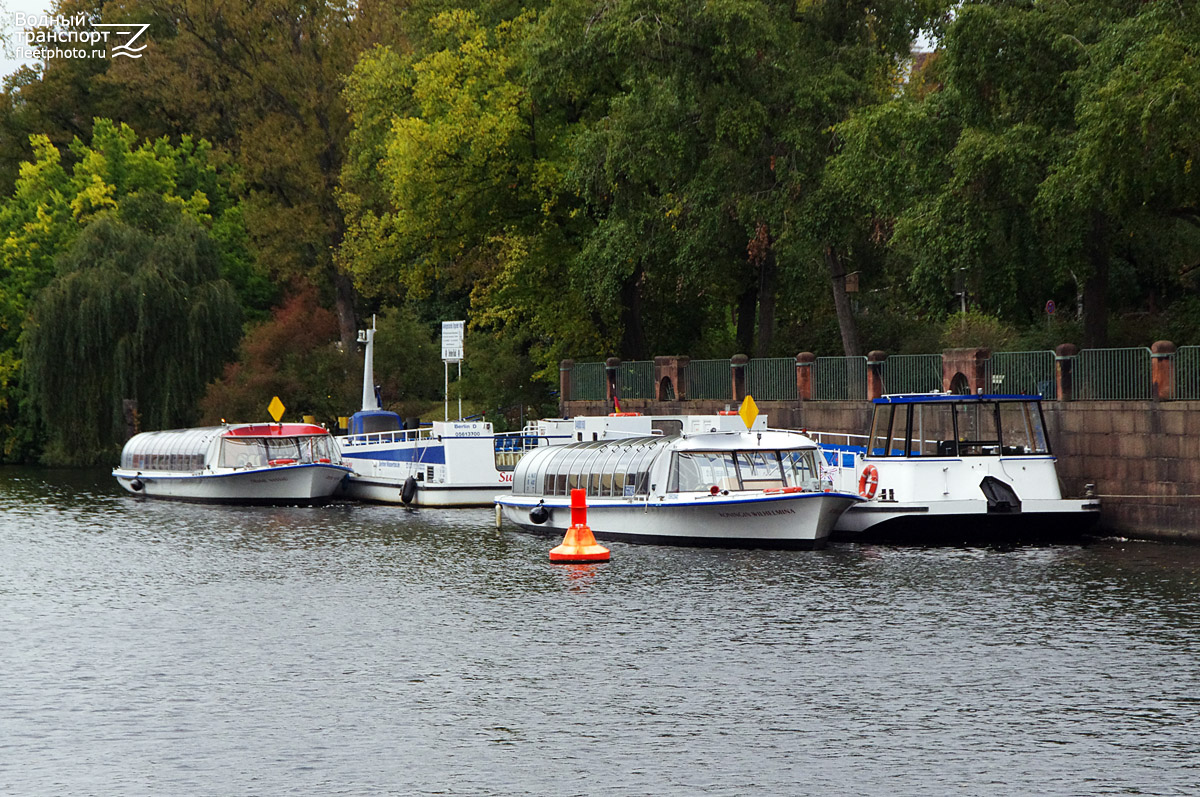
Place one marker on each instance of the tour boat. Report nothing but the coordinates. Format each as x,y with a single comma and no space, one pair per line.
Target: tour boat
466,463
748,488
448,464
954,468
264,463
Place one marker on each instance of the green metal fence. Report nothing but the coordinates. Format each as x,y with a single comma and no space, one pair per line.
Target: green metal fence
1187,373
709,379
635,379
912,373
772,379
588,382
1024,373
840,378
1112,374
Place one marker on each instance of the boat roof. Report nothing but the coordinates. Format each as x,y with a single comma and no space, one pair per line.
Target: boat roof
943,398
274,430
742,441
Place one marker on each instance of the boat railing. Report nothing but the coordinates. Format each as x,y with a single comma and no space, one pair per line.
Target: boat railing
393,436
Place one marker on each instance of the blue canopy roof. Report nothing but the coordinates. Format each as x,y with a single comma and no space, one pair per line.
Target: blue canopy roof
928,398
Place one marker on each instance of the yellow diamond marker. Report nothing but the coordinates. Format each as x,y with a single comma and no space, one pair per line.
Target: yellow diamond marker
749,411
276,409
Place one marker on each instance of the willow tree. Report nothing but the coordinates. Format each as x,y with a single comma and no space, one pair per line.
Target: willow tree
133,313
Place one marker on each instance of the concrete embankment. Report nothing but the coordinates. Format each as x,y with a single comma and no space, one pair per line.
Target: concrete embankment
1143,456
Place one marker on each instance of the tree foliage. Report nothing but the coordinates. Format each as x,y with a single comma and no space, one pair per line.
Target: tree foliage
147,182
1053,161
134,312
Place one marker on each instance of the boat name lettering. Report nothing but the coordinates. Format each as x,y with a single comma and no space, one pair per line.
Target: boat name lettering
758,513
506,477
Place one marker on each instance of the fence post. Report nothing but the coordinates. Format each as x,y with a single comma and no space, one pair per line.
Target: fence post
875,374
737,372
804,375
565,370
611,365
1064,369
1162,370
965,370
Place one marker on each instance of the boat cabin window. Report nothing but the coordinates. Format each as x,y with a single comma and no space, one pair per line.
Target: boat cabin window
700,471
760,470
897,430
1022,430
248,453
800,469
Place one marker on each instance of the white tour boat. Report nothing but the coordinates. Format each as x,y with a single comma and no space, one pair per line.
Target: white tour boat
748,488
264,463
448,464
954,468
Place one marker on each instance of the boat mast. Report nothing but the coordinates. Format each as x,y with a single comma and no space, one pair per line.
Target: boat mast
369,400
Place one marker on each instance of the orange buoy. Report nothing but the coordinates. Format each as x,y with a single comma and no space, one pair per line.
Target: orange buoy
579,544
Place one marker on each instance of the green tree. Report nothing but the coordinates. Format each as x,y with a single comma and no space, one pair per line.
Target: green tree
51,205
133,313
263,81
1052,160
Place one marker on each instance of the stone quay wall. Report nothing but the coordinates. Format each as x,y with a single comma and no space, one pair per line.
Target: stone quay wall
1142,456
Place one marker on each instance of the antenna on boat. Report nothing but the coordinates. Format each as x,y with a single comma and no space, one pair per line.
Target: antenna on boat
370,400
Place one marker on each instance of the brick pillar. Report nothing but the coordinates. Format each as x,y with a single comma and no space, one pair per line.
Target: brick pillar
737,373
1064,368
610,371
972,364
804,375
565,369
674,369
875,374
1162,370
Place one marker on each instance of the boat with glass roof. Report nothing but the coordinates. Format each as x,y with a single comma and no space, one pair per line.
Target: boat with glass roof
264,463
750,488
954,468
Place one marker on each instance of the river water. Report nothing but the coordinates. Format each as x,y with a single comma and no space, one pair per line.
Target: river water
153,648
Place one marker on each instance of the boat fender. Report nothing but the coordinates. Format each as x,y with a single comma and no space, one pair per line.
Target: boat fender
136,485
868,482
539,514
409,491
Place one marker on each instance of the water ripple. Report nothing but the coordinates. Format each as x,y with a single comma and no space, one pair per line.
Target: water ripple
160,648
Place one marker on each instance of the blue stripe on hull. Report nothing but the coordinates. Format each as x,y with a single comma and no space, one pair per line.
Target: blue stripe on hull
429,455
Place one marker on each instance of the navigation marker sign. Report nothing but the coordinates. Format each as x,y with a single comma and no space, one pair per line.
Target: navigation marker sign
748,411
276,409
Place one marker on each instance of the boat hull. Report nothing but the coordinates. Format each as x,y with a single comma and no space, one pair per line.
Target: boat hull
968,522
282,485
452,466
384,490
797,520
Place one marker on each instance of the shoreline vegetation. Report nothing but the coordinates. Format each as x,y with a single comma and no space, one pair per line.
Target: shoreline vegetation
196,230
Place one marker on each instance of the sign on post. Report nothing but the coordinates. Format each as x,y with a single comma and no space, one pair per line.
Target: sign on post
452,341
452,352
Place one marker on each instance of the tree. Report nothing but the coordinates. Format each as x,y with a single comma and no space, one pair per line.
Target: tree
264,81
1054,155
113,173
133,313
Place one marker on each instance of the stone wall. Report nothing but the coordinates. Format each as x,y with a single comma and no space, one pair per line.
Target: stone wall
1142,456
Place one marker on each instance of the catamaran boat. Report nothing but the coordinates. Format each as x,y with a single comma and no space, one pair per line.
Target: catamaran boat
954,468
755,487
265,463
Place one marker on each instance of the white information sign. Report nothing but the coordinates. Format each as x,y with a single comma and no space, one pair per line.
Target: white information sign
452,341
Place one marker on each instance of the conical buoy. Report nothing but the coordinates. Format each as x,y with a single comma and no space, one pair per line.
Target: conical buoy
579,544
